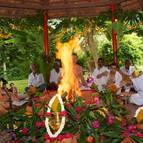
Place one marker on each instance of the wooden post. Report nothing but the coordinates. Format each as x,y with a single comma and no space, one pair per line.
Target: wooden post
114,36
46,47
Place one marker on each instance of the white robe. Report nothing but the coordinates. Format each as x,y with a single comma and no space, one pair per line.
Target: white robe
100,81
128,72
117,81
137,98
54,76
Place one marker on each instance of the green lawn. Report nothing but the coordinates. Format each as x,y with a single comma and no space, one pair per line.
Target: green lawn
20,84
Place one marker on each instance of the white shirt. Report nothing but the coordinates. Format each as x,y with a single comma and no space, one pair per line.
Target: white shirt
100,81
137,98
128,72
54,76
36,80
118,79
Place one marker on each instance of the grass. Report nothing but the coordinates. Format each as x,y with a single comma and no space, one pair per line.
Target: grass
20,84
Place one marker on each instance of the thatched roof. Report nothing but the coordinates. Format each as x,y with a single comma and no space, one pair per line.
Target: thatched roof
64,8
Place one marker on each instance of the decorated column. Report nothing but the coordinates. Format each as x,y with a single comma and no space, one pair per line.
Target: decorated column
46,47
114,36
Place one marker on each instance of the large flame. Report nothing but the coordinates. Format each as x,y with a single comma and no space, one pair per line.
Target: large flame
69,82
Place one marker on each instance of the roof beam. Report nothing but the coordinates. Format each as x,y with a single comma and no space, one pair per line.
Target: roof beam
51,6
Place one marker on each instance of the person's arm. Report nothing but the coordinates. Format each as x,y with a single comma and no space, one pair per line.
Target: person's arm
118,79
40,79
105,73
30,80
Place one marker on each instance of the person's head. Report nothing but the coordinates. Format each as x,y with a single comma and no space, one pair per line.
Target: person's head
113,68
100,62
74,58
57,66
4,85
127,64
33,68
11,85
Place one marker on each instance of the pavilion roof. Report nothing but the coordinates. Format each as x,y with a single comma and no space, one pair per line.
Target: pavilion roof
64,8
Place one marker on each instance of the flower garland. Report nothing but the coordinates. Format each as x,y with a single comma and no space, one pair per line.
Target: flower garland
63,117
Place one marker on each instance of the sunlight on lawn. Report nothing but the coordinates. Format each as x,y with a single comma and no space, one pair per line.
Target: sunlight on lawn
20,84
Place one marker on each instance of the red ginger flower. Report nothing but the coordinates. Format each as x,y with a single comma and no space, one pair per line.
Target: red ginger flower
63,113
40,125
78,109
24,131
110,120
139,134
48,114
96,124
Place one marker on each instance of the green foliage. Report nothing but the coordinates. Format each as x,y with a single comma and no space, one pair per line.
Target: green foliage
130,48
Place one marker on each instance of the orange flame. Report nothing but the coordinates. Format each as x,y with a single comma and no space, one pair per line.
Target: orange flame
69,82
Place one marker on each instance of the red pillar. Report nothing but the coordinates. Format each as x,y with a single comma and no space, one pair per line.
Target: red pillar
114,36
46,47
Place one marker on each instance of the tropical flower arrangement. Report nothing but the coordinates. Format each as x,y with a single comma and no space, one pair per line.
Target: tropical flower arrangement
101,121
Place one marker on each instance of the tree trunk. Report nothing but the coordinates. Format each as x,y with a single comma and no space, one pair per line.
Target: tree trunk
93,46
4,70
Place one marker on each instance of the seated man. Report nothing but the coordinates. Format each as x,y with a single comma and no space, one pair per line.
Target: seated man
55,76
127,69
137,98
114,79
36,79
100,75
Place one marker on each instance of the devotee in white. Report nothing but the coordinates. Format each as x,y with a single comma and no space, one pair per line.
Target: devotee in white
114,77
100,75
137,98
36,79
127,69
55,74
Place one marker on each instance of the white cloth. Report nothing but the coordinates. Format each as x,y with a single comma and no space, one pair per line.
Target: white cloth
36,80
128,72
54,76
100,81
118,79
137,98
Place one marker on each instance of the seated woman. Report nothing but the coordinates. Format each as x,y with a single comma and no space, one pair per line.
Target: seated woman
13,91
114,80
4,104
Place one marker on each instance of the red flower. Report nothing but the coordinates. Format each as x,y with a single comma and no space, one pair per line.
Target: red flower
38,105
40,115
24,131
125,134
131,128
78,109
63,113
68,105
110,120
68,135
138,134
46,136
96,124
48,114
60,137
40,125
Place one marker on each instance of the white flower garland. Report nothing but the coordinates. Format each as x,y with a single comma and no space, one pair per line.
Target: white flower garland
63,117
